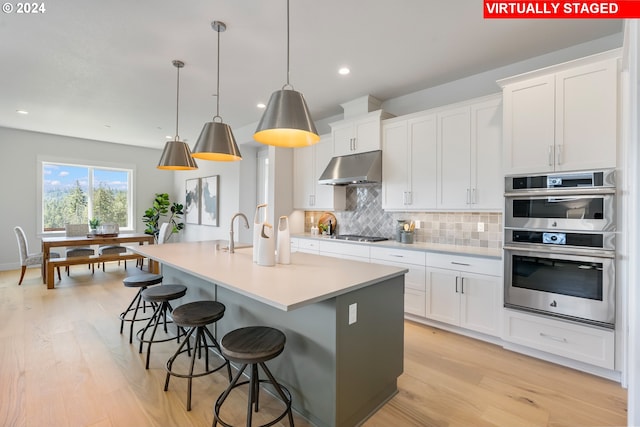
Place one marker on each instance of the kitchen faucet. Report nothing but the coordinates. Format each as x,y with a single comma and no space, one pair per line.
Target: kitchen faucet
246,223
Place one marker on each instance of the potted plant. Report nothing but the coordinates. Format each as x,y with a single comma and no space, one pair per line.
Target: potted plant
162,207
93,225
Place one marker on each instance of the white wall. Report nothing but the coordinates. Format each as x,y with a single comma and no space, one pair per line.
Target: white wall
631,198
237,189
19,151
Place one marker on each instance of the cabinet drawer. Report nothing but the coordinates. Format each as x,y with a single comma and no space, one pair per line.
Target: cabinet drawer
308,245
415,278
339,248
463,263
398,255
583,343
414,302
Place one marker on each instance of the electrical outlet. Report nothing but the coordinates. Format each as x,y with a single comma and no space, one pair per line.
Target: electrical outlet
480,227
353,313
418,224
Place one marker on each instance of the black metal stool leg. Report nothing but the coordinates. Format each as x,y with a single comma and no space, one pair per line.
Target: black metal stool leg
223,396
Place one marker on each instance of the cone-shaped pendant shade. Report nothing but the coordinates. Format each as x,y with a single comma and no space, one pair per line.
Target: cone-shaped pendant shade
216,142
176,156
286,121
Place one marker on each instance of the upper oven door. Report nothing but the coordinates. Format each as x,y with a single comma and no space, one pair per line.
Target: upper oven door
590,212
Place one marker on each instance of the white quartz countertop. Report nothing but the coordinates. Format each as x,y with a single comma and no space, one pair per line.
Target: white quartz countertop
308,279
425,247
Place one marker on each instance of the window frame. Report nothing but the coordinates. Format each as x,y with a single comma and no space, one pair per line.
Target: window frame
90,164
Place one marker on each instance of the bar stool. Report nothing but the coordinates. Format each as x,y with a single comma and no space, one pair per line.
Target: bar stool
140,281
196,316
253,346
160,295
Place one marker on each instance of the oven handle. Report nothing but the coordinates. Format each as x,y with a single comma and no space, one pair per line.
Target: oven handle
550,192
546,249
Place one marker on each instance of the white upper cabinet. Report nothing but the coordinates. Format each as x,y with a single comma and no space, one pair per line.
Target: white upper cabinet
446,159
409,163
562,118
358,135
454,144
308,165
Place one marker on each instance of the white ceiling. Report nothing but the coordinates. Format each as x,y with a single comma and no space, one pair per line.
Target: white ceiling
102,69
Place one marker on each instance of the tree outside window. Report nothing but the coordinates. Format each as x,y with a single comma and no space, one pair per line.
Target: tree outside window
76,193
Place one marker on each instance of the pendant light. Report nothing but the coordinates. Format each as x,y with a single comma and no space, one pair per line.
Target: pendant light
176,154
216,141
286,121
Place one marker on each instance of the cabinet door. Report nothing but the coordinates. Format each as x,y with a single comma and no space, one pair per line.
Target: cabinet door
480,303
367,134
443,300
303,183
454,142
342,135
423,160
395,174
327,197
586,117
529,126
487,179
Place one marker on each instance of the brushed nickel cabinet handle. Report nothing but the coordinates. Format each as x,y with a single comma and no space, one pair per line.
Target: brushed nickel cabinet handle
554,338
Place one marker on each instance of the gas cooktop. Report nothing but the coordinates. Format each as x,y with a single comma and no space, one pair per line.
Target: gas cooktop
358,238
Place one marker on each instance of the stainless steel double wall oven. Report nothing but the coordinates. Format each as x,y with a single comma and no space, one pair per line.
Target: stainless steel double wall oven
559,245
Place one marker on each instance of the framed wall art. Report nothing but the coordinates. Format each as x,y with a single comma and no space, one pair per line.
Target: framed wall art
209,200
192,201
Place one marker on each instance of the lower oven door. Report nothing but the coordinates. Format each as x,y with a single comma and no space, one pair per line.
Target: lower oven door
578,287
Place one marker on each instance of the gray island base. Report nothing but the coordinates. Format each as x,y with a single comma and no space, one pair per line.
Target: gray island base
338,373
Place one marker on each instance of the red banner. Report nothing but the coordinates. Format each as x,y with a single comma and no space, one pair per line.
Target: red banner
543,9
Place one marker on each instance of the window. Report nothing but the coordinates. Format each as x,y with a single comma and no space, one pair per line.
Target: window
74,193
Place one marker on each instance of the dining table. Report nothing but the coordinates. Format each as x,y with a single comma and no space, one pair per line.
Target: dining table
93,239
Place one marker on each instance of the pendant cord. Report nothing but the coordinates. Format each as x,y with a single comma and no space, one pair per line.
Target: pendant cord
218,84
288,43
177,101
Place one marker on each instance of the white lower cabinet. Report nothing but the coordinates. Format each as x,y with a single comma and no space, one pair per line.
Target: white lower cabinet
592,345
414,279
350,251
464,291
309,246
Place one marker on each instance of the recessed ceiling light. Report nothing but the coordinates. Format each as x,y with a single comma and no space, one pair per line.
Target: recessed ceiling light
261,105
107,126
344,71
22,112
169,137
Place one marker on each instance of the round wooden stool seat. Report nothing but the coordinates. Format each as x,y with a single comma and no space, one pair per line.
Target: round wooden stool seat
164,293
252,346
196,316
141,280
160,296
130,314
198,313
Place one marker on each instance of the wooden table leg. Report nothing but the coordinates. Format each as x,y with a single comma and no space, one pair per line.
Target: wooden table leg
45,261
51,277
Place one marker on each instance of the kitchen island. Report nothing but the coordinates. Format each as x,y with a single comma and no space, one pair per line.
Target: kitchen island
343,321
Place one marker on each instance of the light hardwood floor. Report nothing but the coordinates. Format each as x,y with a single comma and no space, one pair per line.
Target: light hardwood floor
64,363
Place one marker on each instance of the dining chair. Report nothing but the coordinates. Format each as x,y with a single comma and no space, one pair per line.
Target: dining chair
164,233
28,259
77,230
112,249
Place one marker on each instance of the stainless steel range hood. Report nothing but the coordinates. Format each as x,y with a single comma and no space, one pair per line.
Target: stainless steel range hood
353,169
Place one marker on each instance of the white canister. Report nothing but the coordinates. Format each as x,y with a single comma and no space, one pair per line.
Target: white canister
283,247
266,246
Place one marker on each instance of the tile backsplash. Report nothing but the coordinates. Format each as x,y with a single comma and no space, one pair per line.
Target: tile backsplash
364,215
